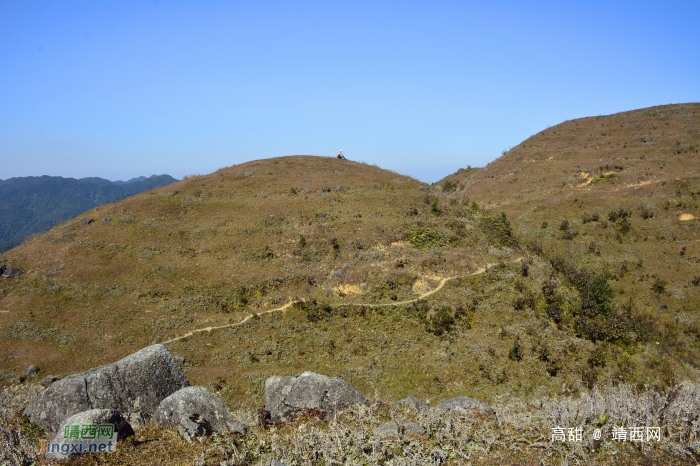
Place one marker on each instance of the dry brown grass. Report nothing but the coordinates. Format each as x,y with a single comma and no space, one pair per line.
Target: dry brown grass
521,433
210,251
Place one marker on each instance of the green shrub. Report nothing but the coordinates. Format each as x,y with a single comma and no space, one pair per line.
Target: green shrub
620,213
422,237
590,217
434,208
659,286
646,213
498,229
516,352
603,178
441,321
449,187
314,310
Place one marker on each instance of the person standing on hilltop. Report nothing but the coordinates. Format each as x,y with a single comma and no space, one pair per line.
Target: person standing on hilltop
340,155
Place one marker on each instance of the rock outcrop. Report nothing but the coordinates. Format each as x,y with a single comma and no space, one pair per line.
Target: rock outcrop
7,271
286,396
195,412
388,429
464,405
60,447
134,385
48,380
412,402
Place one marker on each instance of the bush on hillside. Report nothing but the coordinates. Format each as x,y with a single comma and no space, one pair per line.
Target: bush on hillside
422,237
497,227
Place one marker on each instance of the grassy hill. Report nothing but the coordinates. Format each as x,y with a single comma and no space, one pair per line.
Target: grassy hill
615,195
33,204
289,264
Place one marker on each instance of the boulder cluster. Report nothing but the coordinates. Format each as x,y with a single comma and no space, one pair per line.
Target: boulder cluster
150,386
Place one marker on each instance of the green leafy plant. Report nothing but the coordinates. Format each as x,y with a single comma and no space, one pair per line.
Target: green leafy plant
603,178
498,228
422,237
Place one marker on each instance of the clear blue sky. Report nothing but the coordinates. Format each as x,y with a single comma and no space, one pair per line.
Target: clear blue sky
119,89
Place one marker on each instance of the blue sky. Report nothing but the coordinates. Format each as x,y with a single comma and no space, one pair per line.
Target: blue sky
119,89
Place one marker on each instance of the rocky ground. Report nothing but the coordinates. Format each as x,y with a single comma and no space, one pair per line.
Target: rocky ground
313,419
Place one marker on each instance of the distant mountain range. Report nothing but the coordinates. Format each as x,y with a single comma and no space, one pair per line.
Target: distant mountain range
33,204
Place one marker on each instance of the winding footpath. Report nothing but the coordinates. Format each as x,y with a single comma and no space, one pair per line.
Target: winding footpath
291,302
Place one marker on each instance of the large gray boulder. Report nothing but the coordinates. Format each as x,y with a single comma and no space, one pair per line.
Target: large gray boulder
285,396
62,448
195,412
464,405
134,386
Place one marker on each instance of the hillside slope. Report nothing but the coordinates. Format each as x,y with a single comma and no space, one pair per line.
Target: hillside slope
616,195
34,204
301,263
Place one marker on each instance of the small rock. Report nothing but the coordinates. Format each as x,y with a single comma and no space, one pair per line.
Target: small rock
340,273
31,371
106,220
390,429
413,402
179,359
363,285
86,222
464,405
339,188
2,292
48,380
8,271
412,427
307,190
122,429
18,379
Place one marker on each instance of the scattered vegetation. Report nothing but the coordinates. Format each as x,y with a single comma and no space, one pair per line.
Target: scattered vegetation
603,178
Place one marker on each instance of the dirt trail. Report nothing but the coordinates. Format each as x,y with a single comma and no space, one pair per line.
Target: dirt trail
290,303
209,329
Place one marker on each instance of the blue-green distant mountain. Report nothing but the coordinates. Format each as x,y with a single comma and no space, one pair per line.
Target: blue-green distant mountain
36,203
